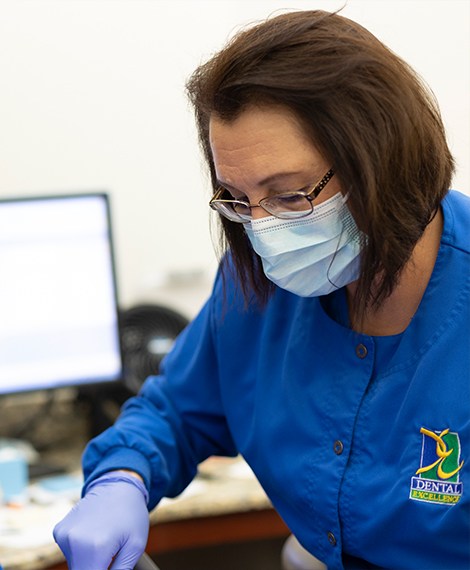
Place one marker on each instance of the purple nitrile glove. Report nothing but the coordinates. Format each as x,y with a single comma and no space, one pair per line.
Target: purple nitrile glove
110,522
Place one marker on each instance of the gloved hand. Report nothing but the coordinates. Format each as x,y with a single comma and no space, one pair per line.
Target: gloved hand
111,521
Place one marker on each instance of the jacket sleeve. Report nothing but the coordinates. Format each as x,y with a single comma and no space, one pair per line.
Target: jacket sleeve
176,421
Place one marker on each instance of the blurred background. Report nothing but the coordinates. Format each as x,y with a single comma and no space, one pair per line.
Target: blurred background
93,98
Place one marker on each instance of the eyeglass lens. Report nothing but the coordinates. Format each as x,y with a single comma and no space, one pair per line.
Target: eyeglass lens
291,206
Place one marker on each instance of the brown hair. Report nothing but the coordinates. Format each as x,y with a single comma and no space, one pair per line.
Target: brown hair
366,111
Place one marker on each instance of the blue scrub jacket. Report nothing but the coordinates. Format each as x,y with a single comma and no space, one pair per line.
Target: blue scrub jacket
362,443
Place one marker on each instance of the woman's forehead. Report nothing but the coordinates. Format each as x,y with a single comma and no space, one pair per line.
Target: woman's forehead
261,140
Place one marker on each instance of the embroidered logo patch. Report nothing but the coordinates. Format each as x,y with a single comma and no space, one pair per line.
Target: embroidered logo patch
437,479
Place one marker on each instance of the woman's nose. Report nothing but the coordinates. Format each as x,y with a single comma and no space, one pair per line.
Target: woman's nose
258,212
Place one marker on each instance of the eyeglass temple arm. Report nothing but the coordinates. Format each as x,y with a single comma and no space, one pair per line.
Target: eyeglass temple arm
319,187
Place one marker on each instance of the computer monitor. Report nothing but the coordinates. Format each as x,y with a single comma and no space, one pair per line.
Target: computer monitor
58,301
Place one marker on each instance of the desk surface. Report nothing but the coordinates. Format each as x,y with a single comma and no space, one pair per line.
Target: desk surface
223,487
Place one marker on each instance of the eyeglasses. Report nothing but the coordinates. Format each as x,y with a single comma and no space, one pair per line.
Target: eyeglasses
288,206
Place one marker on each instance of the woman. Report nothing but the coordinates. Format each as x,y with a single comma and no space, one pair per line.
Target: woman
333,351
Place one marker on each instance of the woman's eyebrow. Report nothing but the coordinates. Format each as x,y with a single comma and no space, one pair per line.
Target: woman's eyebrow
276,177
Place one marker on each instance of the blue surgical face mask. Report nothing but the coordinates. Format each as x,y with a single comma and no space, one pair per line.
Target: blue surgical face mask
310,256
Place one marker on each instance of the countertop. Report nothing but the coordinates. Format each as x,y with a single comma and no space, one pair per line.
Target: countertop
60,429
223,486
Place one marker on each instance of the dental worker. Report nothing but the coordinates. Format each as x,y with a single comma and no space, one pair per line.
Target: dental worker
333,353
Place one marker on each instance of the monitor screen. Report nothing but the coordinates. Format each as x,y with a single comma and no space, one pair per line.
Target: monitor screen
58,304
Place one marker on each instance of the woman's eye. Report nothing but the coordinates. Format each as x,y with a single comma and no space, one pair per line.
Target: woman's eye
303,190
227,195
241,198
291,198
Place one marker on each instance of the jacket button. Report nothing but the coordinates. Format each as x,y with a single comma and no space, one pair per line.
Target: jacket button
361,351
338,447
331,539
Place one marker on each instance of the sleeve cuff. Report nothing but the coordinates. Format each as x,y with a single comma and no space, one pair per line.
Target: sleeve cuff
121,458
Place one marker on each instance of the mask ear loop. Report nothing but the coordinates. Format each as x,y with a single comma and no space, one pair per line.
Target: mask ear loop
344,229
333,260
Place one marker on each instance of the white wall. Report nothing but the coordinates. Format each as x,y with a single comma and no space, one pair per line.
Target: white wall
92,97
